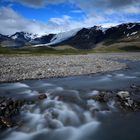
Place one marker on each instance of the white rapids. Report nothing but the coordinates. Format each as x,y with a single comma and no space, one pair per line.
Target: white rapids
62,115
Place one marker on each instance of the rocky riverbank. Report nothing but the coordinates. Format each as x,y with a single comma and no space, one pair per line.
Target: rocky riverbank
10,110
15,68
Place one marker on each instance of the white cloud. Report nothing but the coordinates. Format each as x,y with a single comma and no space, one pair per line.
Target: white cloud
132,10
66,23
61,21
12,22
76,11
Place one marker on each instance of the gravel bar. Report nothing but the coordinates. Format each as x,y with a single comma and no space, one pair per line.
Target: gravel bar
16,68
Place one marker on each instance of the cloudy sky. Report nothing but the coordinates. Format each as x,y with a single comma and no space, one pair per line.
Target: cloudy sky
53,16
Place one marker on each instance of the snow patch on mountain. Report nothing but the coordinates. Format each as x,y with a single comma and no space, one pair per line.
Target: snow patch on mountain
130,27
60,37
25,35
63,36
30,35
14,36
103,29
134,33
127,34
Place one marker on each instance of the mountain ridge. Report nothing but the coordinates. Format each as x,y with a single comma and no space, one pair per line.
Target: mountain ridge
84,38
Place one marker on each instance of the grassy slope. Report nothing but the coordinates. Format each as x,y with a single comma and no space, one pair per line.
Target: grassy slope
102,47
67,51
126,44
42,50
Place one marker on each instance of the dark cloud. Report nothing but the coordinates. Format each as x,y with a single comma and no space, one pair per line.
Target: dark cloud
105,4
83,4
121,3
37,3
88,5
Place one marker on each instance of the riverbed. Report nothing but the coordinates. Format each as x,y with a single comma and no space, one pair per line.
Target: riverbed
23,67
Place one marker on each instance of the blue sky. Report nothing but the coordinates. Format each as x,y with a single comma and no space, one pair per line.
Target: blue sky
50,11
52,16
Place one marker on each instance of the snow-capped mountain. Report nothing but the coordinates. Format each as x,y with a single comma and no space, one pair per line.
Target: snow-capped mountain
23,36
19,39
85,38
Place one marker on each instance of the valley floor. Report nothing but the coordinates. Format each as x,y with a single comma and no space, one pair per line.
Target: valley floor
15,68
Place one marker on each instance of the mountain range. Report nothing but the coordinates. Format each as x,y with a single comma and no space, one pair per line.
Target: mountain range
83,38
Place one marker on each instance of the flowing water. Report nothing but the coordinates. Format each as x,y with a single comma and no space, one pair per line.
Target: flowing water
69,113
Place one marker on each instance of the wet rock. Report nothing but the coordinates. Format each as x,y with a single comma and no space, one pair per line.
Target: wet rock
6,122
42,96
138,105
123,94
125,101
130,102
128,105
102,97
9,109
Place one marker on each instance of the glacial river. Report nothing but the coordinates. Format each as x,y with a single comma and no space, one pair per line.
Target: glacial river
75,117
